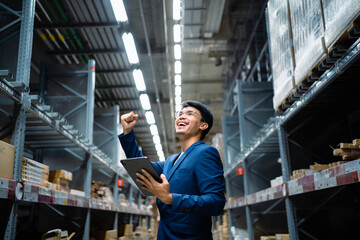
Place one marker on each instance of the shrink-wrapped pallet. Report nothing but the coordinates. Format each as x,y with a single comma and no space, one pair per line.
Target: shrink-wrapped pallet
308,36
281,52
338,16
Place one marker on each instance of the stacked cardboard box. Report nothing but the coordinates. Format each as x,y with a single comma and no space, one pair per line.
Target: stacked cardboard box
224,228
128,233
61,178
282,53
34,172
282,236
107,235
267,238
7,155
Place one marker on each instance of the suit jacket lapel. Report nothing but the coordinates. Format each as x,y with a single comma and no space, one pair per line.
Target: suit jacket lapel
169,164
180,160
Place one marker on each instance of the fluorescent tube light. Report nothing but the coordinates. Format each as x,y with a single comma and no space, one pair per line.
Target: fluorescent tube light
176,10
178,100
154,130
156,139
177,33
158,147
130,48
177,91
177,66
177,51
177,80
150,117
177,108
162,158
145,102
119,10
139,80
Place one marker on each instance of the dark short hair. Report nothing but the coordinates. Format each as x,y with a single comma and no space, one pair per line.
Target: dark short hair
206,115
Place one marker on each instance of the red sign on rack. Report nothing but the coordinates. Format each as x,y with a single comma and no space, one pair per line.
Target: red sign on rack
120,182
240,171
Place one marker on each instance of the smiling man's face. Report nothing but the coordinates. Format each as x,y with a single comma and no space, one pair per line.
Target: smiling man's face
188,122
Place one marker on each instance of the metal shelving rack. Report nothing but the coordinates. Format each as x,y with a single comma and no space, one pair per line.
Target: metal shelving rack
288,142
40,128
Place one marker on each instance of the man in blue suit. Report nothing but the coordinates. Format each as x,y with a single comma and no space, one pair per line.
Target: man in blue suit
192,188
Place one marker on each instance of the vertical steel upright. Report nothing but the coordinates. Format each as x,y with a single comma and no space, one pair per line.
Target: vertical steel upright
226,160
115,159
22,75
243,138
286,173
89,122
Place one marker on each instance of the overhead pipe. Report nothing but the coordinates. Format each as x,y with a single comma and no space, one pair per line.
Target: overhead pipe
154,78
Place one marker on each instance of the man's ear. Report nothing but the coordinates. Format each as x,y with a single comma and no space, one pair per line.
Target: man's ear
204,126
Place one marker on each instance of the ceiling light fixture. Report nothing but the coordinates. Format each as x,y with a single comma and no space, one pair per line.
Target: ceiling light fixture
158,147
149,115
177,100
145,102
177,91
156,139
176,10
177,108
139,80
130,48
177,51
177,66
154,130
177,80
177,33
119,10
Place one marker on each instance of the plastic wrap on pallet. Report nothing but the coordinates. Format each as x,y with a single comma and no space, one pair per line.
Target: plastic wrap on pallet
281,54
338,15
308,34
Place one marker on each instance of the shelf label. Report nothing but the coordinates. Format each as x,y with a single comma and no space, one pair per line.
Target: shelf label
4,193
296,190
45,191
31,197
58,201
325,183
4,183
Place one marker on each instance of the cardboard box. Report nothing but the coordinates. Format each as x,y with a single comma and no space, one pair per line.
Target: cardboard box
107,235
7,156
282,236
60,174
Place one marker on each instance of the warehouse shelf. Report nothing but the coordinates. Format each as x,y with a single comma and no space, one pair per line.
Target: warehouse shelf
42,128
46,128
344,174
350,56
265,141
7,89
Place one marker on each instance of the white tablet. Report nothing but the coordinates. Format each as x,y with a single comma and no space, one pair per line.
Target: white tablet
134,165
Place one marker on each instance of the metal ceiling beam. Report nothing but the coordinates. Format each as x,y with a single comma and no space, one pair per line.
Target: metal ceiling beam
116,99
86,51
82,25
127,70
161,116
114,87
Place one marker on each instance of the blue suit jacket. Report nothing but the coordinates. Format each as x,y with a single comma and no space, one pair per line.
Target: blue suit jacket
197,186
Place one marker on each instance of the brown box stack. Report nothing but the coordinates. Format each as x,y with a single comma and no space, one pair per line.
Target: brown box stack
34,172
7,155
61,178
281,236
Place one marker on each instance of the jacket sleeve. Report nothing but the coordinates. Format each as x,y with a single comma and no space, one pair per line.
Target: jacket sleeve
130,145
209,175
